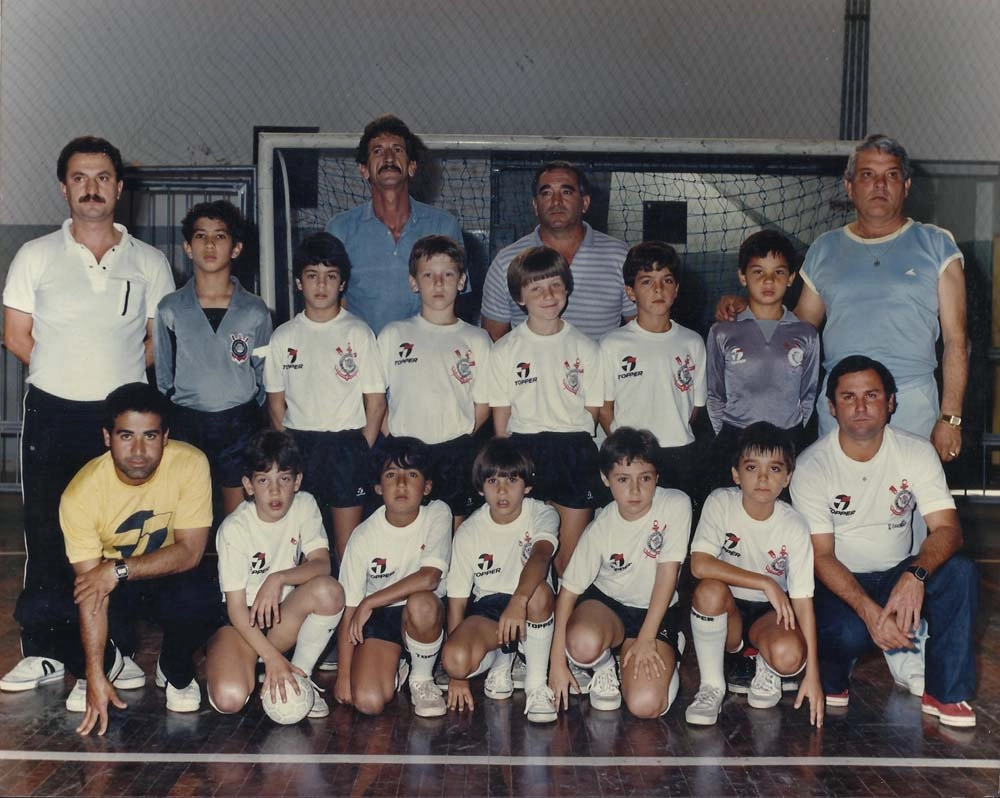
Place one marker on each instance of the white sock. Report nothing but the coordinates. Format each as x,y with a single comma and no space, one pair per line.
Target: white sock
537,645
313,638
422,656
491,659
603,661
709,632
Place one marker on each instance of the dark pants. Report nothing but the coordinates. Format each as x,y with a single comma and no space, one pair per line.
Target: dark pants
951,599
59,437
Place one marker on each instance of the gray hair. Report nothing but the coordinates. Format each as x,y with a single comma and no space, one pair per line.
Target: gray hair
884,144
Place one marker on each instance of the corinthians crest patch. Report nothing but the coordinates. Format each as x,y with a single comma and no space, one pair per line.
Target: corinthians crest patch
902,498
239,348
347,366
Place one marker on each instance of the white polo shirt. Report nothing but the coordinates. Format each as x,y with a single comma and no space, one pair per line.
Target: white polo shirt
88,317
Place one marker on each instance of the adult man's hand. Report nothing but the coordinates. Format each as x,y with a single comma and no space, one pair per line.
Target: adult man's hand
729,307
95,585
905,602
99,692
887,636
947,440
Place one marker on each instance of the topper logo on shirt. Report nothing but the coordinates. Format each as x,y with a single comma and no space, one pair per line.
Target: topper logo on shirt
902,498
293,355
796,353
729,547
405,350
735,355
486,565
841,504
378,568
629,362
779,562
258,563
654,543
617,562
683,377
239,347
571,382
347,366
462,370
523,371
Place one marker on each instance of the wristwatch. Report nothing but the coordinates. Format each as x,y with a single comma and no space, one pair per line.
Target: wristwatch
917,571
121,570
951,421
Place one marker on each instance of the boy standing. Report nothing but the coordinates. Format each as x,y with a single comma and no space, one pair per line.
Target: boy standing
393,574
435,365
501,554
754,558
209,339
546,390
274,571
654,368
765,365
325,385
619,590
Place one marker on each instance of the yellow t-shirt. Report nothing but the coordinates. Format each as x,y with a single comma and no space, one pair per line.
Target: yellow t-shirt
101,516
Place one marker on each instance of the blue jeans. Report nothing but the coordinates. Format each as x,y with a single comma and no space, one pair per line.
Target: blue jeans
951,599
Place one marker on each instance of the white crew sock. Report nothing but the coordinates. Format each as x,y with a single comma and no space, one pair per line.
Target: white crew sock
491,659
537,645
709,632
422,656
603,661
313,638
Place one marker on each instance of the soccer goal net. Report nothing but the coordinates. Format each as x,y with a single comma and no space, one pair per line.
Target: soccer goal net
702,196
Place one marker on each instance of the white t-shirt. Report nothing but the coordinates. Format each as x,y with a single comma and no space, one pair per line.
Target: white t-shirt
868,507
619,557
487,557
379,554
323,369
436,374
251,549
779,547
655,379
548,381
88,318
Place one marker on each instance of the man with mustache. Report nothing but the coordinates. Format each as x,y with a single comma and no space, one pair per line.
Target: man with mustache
379,234
78,308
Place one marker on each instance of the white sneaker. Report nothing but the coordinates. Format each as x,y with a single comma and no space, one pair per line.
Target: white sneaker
605,689
427,700
499,683
518,672
906,666
583,678
441,677
320,709
131,677
330,662
540,705
76,701
32,672
707,704
184,699
765,689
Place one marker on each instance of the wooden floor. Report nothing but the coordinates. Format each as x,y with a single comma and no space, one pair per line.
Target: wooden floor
881,746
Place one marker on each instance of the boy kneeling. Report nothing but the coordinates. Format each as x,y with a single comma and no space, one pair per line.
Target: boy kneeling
748,551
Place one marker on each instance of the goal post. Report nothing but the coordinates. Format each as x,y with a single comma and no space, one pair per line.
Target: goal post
702,195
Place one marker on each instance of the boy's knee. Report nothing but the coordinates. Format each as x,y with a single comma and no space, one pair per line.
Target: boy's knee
711,597
541,604
584,644
228,699
368,701
424,610
456,660
646,704
329,595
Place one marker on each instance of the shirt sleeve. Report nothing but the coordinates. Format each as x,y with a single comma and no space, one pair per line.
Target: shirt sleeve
460,574
372,370
808,499
273,380
79,524
675,546
801,578
810,378
716,359
481,374
709,536
593,376
437,544
930,487
353,576
258,357
233,573
585,564
163,349
19,289
545,524
311,532
496,297
194,504
499,387
700,373
161,283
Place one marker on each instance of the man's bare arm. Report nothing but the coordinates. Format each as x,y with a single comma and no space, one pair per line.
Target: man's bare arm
954,358
17,333
496,329
810,308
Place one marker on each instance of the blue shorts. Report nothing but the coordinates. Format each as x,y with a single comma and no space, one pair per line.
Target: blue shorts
492,607
223,437
567,469
633,617
336,466
451,471
751,612
386,623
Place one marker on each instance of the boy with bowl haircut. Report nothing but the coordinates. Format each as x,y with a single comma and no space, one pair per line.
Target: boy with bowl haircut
654,368
546,389
325,385
501,556
393,573
274,571
209,340
619,591
754,557
436,365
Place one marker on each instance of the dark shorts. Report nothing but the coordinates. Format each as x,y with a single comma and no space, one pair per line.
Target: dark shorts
567,470
223,437
680,468
632,617
337,466
451,470
491,607
386,623
751,612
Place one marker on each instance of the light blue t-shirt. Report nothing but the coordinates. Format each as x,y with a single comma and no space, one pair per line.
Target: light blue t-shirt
379,288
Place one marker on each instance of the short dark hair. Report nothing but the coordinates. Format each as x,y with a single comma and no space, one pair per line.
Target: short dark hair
884,144
403,452
429,246
322,249
393,126
220,211
629,444
581,176
534,264
269,448
650,256
88,145
136,397
764,243
763,437
853,364
501,457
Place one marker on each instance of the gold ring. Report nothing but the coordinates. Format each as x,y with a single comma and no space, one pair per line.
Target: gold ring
953,454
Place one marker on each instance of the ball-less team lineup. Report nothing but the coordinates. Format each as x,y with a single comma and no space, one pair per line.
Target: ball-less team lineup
533,557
